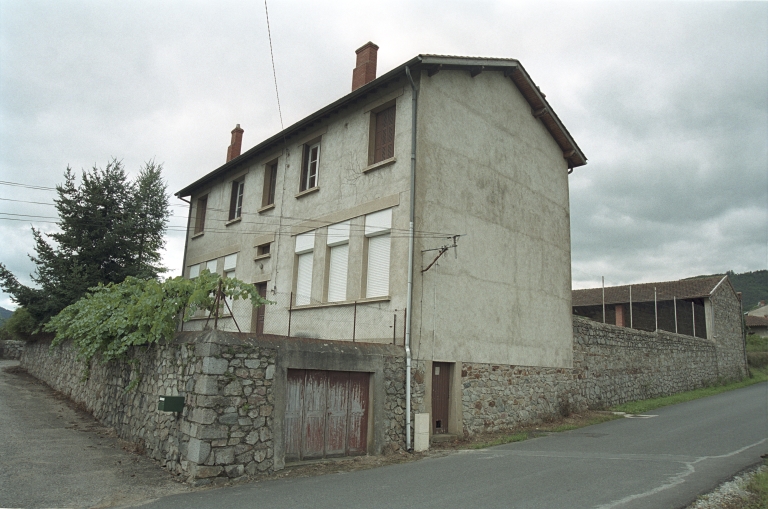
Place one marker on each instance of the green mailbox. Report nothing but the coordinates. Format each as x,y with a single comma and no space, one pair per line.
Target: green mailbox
171,403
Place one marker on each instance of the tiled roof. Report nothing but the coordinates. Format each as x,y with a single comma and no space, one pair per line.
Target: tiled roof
643,292
756,321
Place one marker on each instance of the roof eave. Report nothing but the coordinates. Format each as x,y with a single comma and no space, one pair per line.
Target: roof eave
512,68
302,124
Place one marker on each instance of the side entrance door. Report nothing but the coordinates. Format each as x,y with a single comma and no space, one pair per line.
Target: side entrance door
326,414
440,388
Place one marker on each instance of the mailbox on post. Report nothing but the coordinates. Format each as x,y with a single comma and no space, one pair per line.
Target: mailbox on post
171,403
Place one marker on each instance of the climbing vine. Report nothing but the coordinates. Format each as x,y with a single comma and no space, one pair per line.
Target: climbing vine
112,318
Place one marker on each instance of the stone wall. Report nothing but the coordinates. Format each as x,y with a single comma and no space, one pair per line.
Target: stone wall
11,349
225,428
611,365
234,387
727,332
229,426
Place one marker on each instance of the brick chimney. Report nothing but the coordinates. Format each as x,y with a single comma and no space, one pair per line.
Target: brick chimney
237,143
365,68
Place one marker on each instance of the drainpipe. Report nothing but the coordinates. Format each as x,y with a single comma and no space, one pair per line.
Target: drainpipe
408,312
186,234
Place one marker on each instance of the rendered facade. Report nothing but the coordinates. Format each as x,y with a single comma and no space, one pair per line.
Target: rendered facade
319,216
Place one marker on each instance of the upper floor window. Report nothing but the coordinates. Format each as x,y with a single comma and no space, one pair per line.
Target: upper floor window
338,261
270,180
377,235
310,166
305,244
202,204
236,200
383,125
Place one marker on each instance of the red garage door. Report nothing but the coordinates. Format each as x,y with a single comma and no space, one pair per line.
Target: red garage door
326,414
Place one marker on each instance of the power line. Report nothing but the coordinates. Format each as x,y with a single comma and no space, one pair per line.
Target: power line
25,201
274,73
18,184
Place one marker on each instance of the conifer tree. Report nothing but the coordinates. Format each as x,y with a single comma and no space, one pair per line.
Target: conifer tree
109,228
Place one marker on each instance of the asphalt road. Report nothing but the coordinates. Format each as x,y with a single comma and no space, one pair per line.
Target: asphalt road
663,461
54,455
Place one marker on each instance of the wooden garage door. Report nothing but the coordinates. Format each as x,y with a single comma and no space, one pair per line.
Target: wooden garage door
326,414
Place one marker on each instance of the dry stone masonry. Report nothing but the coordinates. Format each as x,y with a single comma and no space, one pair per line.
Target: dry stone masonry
234,401
11,349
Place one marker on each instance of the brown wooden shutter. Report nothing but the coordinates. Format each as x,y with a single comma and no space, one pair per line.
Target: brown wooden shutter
202,204
384,145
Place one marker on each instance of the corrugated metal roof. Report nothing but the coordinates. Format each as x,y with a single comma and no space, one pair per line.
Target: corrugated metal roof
643,292
431,64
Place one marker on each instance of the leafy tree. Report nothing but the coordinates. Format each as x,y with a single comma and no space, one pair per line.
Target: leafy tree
111,318
20,325
109,228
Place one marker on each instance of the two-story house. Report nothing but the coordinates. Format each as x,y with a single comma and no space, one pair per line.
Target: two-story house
427,209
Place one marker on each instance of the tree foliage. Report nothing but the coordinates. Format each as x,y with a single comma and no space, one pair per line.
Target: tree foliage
110,228
111,318
20,325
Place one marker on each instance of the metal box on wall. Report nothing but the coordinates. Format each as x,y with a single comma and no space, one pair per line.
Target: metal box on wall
171,403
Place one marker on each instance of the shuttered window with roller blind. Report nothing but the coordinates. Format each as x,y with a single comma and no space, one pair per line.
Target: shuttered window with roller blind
304,257
338,261
377,232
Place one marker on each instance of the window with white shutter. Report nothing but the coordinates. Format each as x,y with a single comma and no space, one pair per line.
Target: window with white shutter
377,231
211,266
377,284
304,279
304,250
194,271
338,254
230,263
337,273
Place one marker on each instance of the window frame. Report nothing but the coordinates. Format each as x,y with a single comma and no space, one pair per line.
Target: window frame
307,176
304,258
263,250
236,199
270,184
201,206
377,225
375,140
337,250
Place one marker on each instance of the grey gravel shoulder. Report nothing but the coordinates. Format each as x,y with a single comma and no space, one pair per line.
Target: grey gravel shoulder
730,491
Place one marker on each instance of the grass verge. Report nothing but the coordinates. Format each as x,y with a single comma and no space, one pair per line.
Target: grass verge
758,487
640,407
571,422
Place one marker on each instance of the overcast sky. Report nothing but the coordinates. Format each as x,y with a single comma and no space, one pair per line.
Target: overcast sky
668,100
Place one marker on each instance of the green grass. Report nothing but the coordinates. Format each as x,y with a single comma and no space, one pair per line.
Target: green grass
757,343
507,439
594,420
758,486
640,407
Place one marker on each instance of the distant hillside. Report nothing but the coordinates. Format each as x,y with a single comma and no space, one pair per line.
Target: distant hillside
752,285
4,314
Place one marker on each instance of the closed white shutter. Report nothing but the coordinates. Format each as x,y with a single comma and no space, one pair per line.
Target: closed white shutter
211,266
337,273
378,266
230,262
194,271
304,279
